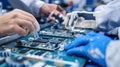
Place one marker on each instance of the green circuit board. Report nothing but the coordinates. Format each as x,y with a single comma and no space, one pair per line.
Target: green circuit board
43,50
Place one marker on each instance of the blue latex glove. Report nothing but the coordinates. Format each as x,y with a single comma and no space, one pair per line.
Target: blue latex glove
93,46
91,64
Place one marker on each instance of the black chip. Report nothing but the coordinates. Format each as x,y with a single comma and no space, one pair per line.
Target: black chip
61,39
24,50
53,42
41,40
40,53
33,45
46,37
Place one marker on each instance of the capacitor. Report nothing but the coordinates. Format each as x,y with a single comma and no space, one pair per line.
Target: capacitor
4,52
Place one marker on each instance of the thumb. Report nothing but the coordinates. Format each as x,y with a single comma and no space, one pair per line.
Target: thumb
79,51
61,10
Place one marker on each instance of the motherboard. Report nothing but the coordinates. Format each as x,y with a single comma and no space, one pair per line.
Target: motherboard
44,49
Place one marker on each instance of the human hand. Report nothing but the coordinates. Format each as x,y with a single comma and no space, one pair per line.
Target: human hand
47,9
18,22
93,46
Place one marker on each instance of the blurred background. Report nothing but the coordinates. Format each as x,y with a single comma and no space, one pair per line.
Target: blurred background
68,5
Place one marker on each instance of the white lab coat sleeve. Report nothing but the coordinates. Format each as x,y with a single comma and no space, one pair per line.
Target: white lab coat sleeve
113,54
31,6
108,17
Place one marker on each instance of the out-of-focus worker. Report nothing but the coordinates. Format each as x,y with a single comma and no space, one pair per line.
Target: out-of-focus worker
98,47
37,8
18,22
107,17
107,1
21,22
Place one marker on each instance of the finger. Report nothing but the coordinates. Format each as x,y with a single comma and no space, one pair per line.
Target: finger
16,29
25,13
28,17
56,16
61,10
34,22
37,26
92,64
92,34
51,17
79,51
26,24
81,40
19,30
21,16
56,12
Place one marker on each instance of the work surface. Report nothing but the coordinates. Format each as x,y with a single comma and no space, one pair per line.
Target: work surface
43,50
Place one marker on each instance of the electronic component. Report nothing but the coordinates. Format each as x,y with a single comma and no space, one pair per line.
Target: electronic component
59,18
57,33
43,42
24,50
4,53
40,52
44,49
17,62
40,40
34,45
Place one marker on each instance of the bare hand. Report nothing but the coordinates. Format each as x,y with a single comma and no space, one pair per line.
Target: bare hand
47,9
17,22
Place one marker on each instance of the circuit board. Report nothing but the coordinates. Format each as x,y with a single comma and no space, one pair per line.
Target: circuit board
62,32
44,50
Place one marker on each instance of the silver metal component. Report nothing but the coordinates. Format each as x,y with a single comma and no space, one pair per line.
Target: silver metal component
36,35
72,20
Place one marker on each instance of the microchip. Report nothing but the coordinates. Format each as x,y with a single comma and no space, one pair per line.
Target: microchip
46,37
40,52
41,40
55,42
25,50
61,39
33,45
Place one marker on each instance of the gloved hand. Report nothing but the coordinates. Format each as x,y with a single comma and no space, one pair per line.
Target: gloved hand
93,46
